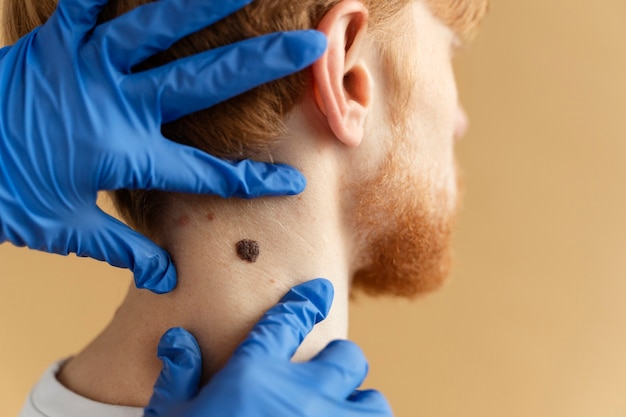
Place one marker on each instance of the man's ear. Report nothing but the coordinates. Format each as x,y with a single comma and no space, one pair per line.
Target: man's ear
342,82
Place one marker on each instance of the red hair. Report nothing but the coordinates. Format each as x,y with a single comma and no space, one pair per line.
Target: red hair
248,125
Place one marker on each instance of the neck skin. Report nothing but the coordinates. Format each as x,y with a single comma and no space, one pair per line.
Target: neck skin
219,296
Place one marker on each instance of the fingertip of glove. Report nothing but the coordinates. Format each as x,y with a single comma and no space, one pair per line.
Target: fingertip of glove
159,276
298,183
291,181
178,346
306,46
319,40
320,292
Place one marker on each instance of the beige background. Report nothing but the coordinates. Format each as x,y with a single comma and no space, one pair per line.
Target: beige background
533,322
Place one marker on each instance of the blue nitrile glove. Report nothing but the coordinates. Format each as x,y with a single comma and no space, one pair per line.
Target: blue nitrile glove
260,380
74,120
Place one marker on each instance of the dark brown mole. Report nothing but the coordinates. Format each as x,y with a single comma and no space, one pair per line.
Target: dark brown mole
248,250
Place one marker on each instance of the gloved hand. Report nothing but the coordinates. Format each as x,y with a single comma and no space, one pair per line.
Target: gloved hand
260,380
74,120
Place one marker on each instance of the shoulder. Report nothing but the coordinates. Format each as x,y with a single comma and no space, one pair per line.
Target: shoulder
49,398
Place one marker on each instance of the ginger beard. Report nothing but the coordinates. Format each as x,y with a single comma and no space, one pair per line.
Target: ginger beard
406,223
405,212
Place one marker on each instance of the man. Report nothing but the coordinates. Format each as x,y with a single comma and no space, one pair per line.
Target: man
74,119
371,126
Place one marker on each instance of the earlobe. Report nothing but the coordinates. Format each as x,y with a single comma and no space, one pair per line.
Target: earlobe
342,82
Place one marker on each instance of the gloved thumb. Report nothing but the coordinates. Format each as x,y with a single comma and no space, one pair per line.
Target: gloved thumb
180,377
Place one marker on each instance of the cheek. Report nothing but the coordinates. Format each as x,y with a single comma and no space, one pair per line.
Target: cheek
430,138
434,125
439,101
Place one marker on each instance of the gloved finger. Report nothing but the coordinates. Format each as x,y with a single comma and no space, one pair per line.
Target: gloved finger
371,401
283,328
110,240
180,377
78,16
140,33
340,367
205,79
170,166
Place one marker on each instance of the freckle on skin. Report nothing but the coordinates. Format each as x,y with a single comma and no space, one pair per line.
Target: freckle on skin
248,250
183,221
210,216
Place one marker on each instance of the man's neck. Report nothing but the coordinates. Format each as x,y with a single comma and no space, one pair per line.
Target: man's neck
220,296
